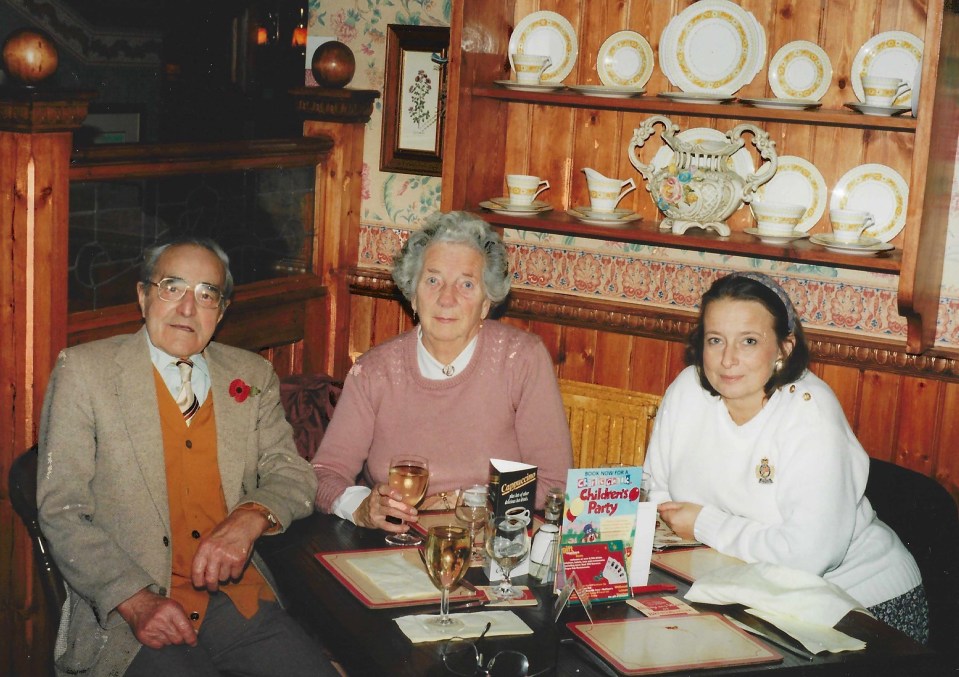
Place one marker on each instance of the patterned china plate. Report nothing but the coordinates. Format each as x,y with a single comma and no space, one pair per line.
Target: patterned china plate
493,207
625,60
886,111
797,181
893,54
775,239
712,46
508,205
877,189
864,247
696,97
541,87
548,34
610,92
790,104
800,70
616,219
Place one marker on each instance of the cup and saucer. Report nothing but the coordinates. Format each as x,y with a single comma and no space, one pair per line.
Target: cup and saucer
505,205
611,219
873,109
864,246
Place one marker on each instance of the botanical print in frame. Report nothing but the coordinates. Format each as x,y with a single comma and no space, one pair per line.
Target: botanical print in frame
413,99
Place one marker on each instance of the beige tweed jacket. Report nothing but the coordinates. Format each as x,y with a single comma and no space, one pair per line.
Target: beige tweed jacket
102,491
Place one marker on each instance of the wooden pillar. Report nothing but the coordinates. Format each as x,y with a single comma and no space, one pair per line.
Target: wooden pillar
35,144
341,115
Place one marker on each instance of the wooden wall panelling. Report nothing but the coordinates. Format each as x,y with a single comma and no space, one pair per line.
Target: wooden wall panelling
879,413
647,365
579,354
845,383
947,442
918,424
361,325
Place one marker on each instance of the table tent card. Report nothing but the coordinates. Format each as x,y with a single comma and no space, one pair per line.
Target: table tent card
512,491
607,532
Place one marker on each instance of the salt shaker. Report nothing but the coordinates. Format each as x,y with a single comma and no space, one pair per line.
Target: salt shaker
543,551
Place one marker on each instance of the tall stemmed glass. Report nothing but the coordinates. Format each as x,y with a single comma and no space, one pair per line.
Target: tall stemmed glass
409,475
508,543
447,558
471,509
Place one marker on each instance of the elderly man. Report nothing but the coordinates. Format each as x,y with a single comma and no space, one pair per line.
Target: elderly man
163,457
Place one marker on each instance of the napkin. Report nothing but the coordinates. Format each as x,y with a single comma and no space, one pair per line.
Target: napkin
396,577
799,603
502,623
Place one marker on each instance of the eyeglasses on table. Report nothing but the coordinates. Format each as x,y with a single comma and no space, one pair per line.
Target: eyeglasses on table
462,657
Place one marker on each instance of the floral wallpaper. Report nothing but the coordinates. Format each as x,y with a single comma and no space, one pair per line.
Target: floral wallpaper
851,302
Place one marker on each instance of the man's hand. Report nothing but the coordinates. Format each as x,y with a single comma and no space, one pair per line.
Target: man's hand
157,621
223,553
680,517
384,502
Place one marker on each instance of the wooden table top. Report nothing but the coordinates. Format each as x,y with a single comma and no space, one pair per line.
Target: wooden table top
368,641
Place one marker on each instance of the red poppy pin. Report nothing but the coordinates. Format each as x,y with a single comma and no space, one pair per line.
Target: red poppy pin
239,390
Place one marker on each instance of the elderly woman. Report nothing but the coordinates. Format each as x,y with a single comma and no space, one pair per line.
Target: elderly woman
751,454
458,389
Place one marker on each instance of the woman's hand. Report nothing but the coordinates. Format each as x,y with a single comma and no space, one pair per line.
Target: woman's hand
383,502
680,517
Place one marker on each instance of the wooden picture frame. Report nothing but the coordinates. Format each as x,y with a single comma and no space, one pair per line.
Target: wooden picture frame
414,99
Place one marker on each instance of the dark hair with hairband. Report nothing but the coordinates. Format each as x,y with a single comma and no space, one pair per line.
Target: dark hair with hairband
766,291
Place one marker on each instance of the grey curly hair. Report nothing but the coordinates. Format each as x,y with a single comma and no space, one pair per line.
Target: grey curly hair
455,228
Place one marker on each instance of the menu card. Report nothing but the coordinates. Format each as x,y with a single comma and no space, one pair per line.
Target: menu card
512,487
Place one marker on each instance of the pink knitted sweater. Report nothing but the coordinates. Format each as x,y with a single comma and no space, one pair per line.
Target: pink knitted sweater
505,404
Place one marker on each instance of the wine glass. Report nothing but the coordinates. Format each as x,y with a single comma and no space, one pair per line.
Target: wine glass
447,558
409,475
507,542
471,508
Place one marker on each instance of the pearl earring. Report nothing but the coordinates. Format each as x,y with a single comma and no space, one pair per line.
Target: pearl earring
779,365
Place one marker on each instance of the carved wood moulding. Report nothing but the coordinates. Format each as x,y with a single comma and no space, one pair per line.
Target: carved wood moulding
24,111
334,105
671,326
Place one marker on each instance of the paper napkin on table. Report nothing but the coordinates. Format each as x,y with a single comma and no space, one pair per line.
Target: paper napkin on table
396,577
804,605
502,623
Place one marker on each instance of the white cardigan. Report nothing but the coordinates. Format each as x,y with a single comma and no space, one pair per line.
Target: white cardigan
787,487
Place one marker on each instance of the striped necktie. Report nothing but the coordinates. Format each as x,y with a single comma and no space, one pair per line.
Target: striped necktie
186,400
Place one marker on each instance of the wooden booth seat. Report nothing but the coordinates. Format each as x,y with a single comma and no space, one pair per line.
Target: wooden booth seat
607,425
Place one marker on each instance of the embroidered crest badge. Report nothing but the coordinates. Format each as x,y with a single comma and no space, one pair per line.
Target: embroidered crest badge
765,472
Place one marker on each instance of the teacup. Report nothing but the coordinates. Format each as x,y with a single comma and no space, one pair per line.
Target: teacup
529,68
605,193
848,224
523,189
882,91
777,218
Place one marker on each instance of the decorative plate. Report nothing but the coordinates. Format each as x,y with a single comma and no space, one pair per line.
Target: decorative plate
876,189
541,87
798,181
800,70
893,54
548,34
610,92
696,97
886,111
712,46
507,204
864,247
775,239
790,104
625,60
740,161
493,207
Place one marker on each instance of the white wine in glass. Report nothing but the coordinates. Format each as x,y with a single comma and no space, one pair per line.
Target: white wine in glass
507,542
409,475
447,558
471,508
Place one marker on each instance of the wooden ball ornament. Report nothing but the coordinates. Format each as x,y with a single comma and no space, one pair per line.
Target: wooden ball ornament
333,64
29,56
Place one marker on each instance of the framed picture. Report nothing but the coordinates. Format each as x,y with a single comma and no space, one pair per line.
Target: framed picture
414,99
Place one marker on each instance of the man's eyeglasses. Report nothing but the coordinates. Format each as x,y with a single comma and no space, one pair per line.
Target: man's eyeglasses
174,289
462,657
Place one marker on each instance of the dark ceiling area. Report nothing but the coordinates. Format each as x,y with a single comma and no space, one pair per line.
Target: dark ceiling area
133,14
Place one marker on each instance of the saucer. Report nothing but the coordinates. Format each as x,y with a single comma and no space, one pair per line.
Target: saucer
885,111
776,239
863,247
541,87
697,97
526,211
506,204
789,104
609,92
606,219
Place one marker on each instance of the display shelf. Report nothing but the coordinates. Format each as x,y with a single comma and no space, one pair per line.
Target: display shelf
737,243
650,103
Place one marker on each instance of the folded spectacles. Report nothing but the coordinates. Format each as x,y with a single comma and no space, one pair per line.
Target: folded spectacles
462,657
